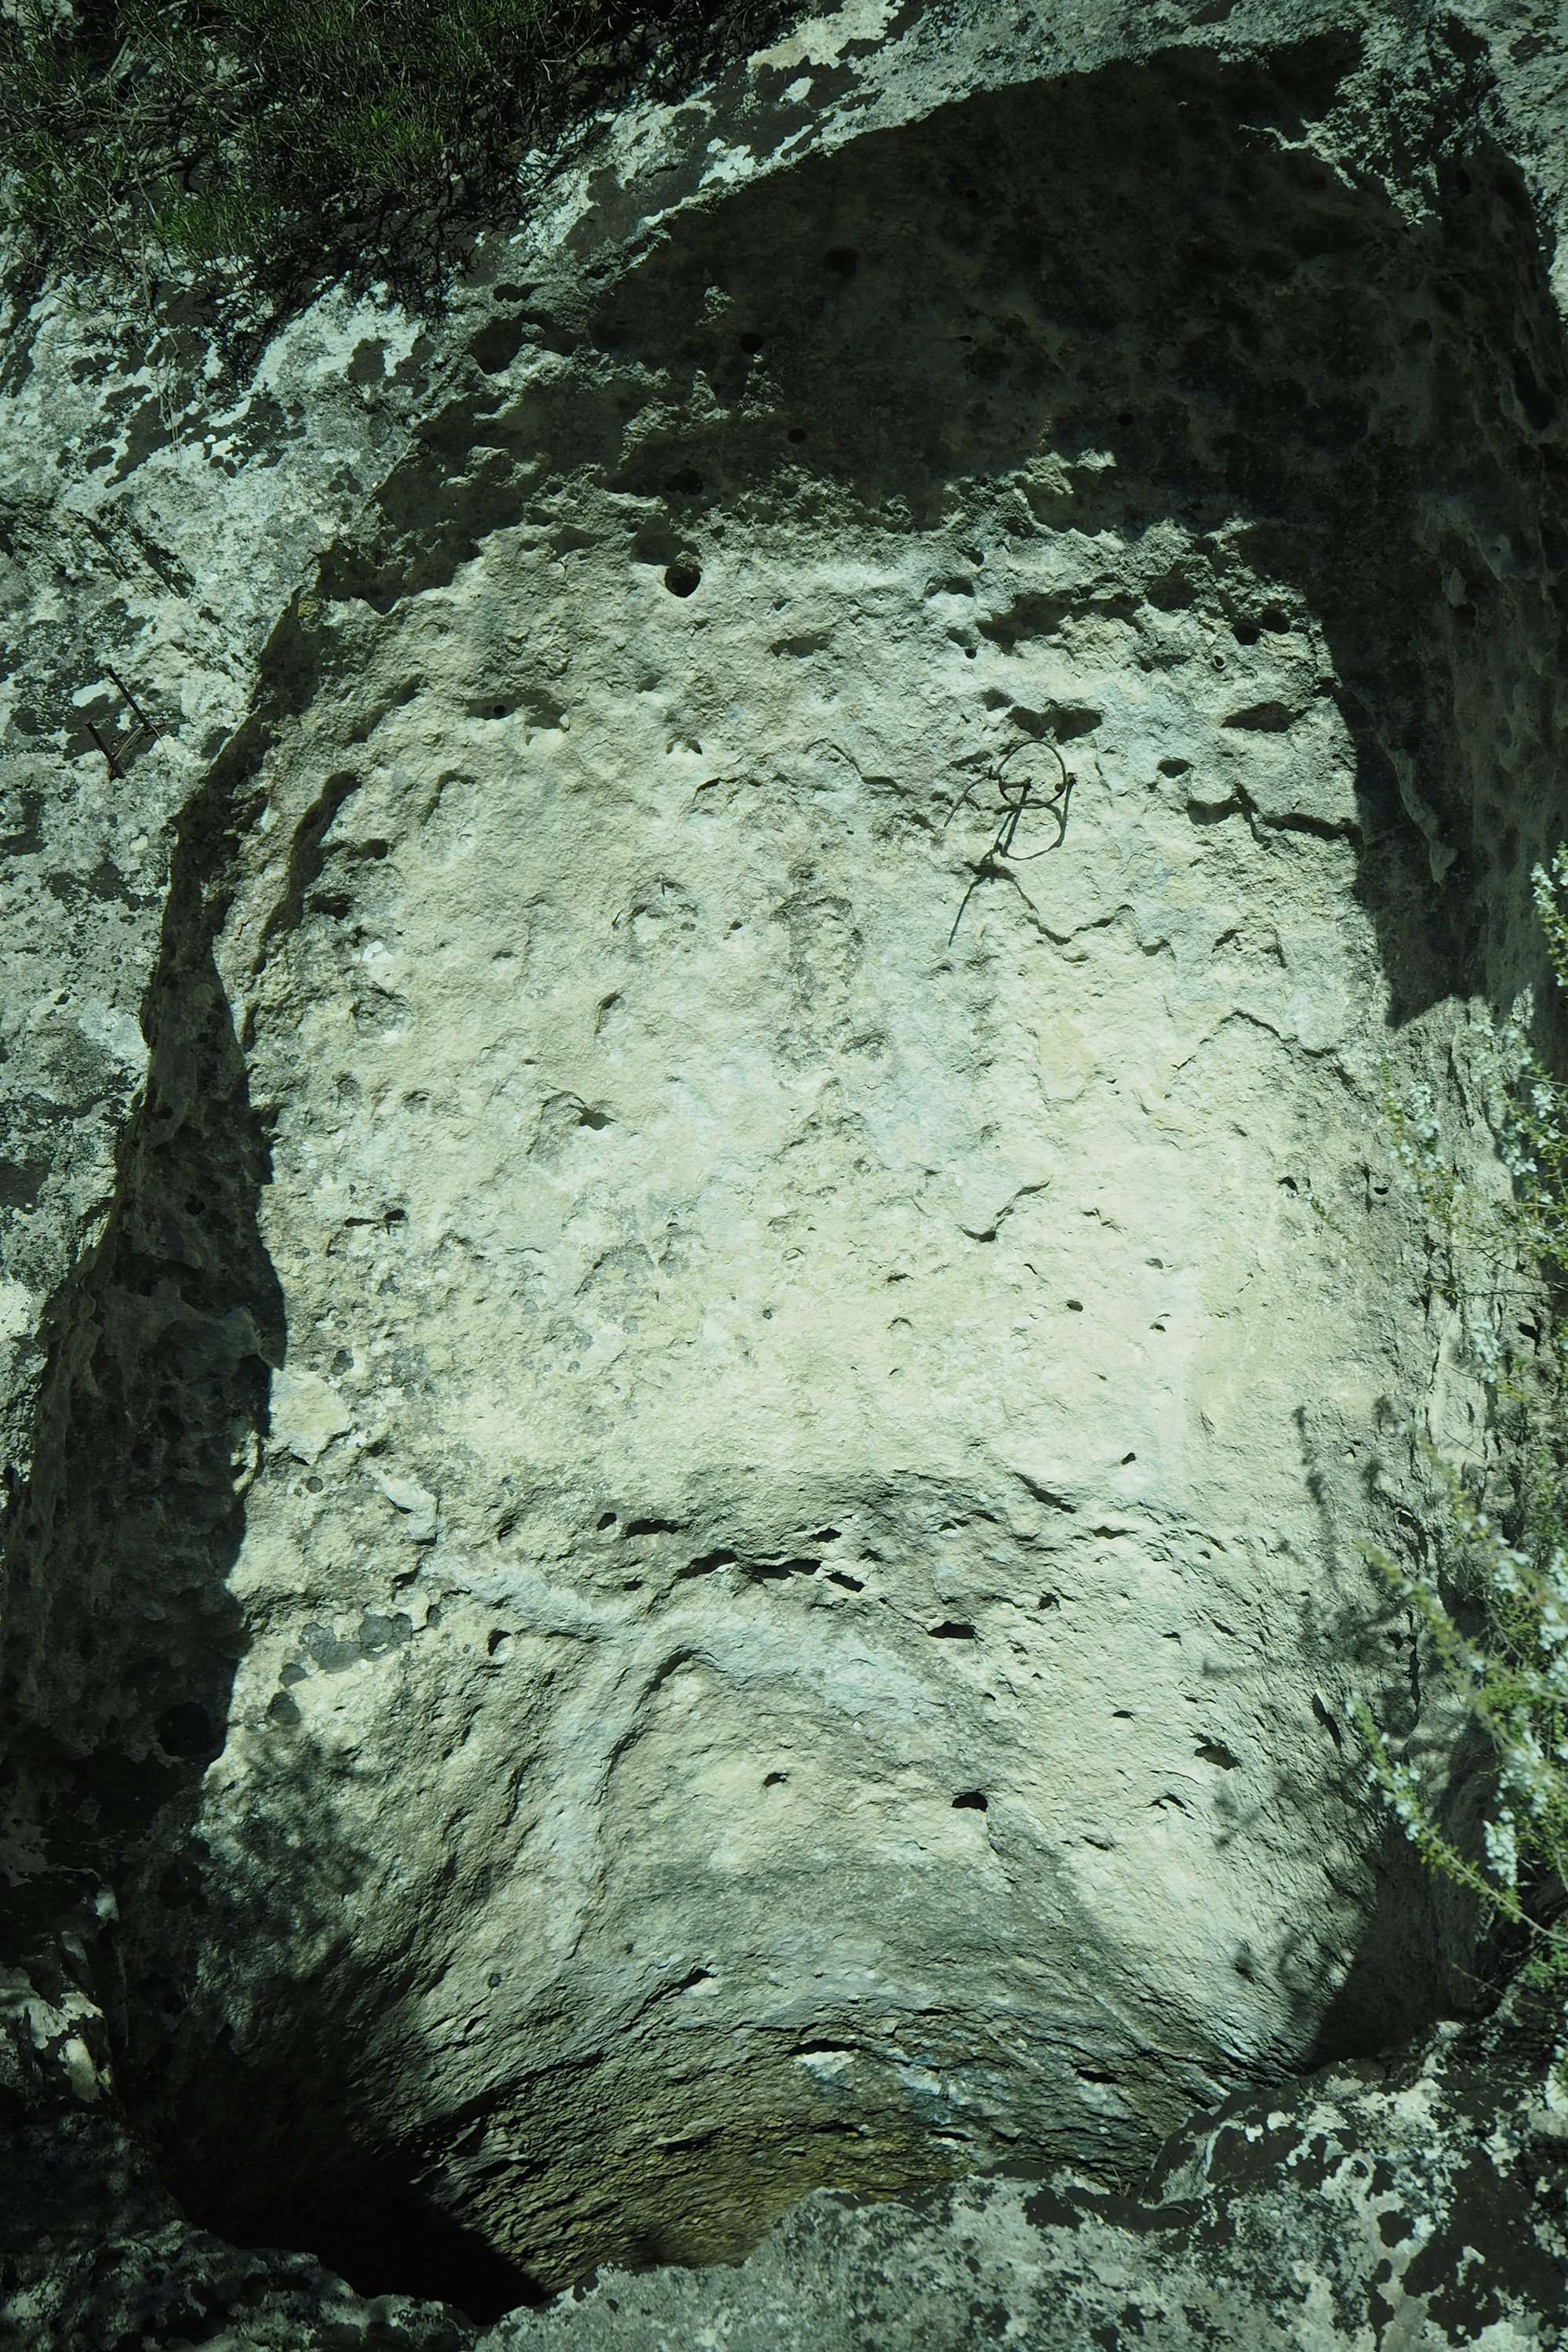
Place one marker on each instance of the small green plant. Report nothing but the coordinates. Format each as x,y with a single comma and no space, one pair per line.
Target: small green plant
1512,1677
278,145
1514,1681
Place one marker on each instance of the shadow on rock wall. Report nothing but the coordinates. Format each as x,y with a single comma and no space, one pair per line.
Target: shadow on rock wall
121,1634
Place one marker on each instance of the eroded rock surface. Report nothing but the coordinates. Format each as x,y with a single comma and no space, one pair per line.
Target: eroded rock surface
690,1526
1416,2203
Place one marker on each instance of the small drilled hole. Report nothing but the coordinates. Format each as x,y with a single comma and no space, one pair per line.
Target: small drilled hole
797,433
682,579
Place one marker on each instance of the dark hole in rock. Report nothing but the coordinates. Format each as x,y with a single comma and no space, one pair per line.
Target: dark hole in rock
1214,1751
496,346
843,260
185,1729
1263,718
708,1562
797,433
951,1629
971,1802
1321,1714
682,579
687,483
1245,632
752,342
386,2238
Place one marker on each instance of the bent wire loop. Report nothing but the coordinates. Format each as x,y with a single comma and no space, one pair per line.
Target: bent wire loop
144,732
995,862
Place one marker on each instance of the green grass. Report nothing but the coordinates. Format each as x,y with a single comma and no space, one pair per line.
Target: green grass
270,146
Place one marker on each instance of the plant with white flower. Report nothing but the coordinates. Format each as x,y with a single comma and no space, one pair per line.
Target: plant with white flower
1512,1679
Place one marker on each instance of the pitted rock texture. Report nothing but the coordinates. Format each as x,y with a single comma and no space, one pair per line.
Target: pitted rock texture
692,1531
800,1590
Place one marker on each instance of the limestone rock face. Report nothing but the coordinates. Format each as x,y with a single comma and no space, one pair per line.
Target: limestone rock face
1418,2202
710,1460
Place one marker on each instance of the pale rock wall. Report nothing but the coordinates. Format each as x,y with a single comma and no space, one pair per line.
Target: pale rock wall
743,1421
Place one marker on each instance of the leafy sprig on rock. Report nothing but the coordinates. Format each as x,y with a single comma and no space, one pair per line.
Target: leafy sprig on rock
1512,1680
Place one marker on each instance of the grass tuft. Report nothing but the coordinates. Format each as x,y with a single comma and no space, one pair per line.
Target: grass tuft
263,148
